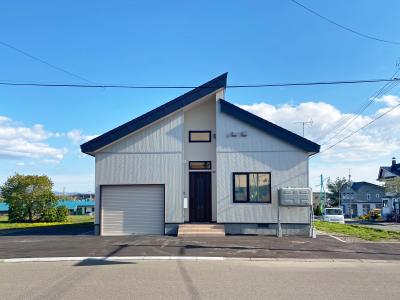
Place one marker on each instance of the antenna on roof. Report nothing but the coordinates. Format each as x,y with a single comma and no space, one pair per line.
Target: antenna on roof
349,176
304,123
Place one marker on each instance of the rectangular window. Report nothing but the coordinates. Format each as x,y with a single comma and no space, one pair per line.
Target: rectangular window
240,188
199,136
199,165
252,187
368,196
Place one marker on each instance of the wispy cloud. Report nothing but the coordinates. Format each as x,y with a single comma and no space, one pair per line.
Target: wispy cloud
18,141
77,137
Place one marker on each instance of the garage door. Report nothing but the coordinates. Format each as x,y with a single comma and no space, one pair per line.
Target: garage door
135,209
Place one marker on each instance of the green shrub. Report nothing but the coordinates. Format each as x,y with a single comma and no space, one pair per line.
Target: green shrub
62,213
49,215
29,198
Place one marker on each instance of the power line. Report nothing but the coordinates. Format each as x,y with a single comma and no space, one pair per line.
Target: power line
364,35
45,62
121,86
350,119
359,129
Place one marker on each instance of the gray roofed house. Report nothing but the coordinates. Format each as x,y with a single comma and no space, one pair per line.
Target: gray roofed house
388,172
358,198
391,202
200,159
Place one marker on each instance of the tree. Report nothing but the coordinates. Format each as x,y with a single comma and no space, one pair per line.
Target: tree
334,187
393,186
29,197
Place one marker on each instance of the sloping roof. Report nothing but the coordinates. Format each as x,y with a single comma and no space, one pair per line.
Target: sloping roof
395,170
268,127
3,206
357,185
154,115
70,204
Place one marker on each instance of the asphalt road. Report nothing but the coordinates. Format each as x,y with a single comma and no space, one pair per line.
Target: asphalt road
200,280
323,247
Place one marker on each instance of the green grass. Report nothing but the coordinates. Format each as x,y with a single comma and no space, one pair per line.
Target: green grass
365,233
4,224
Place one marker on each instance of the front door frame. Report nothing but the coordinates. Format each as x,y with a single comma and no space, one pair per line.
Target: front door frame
192,199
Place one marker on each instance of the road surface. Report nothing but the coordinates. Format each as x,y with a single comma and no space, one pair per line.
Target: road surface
200,280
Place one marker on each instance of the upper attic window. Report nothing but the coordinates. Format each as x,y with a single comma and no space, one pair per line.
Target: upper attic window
200,136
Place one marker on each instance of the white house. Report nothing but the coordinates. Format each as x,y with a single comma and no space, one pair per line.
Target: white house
391,202
201,159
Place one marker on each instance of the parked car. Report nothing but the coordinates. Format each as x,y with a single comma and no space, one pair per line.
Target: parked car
333,214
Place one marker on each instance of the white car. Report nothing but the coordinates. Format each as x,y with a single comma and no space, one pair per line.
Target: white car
333,214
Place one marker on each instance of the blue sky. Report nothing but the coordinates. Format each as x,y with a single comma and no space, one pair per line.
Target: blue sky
182,42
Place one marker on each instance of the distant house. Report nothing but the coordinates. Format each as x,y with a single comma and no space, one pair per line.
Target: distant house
358,198
387,173
79,207
391,202
3,208
316,199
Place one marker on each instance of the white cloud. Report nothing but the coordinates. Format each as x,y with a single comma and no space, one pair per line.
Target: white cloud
377,140
26,142
389,100
4,119
77,137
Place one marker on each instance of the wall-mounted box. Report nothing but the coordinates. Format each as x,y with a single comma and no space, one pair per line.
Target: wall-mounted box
295,196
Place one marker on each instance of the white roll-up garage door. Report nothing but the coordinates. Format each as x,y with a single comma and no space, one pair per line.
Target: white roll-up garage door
135,209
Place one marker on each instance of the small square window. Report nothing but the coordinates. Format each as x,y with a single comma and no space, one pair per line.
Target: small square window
199,136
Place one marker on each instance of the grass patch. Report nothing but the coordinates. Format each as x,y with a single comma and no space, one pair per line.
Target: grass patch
365,233
83,220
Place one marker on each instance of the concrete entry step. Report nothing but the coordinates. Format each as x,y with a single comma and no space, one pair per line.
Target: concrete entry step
193,230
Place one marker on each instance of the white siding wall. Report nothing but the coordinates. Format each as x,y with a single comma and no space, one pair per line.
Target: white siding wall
257,152
152,155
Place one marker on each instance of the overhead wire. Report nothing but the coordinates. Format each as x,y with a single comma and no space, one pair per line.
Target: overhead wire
53,66
361,34
263,85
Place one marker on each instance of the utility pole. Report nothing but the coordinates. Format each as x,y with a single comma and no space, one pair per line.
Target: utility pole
304,123
351,197
322,194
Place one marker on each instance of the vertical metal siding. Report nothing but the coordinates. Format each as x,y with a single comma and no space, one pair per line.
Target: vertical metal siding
135,209
150,156
257,152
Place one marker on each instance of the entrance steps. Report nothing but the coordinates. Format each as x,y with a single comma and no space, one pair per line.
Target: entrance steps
199,230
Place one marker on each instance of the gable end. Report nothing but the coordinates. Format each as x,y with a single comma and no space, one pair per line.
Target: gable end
154,115
268,127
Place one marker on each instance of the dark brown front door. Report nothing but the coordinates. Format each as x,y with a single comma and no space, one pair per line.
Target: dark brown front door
200,196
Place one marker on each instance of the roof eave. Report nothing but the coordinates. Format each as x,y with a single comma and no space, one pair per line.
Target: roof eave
152,116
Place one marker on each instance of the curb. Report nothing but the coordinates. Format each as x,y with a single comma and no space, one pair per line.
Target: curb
187,258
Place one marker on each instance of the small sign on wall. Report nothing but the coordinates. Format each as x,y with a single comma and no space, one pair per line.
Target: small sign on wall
185,203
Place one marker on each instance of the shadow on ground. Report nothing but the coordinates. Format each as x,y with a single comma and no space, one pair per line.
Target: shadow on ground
67,229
